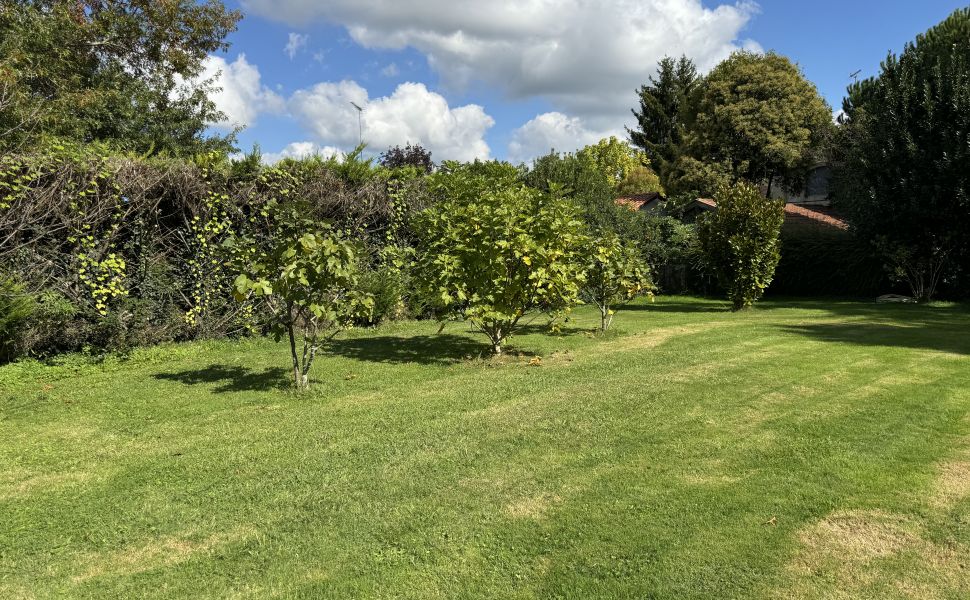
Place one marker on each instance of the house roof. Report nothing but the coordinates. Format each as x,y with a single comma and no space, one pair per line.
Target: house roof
817,215
795,214
638,201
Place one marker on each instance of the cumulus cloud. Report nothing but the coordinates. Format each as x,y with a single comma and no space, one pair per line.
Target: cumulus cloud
411,114
295,43
241,96
303,150
587,58
553,131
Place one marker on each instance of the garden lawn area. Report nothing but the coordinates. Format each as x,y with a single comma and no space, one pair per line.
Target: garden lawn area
803,449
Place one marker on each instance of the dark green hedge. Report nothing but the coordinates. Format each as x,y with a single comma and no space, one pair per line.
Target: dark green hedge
106,252
816,261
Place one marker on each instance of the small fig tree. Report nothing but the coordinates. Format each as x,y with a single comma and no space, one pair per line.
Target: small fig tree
491,250
307,276
615,274
740,241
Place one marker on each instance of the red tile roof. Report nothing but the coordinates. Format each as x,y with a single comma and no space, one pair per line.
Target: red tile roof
637,201
797,214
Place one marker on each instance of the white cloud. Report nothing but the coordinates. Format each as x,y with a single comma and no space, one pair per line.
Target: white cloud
390,70
553,131
302,150
241,96
586,58
295,43
411,114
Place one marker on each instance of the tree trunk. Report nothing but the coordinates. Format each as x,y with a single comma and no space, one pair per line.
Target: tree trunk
298,379
497,341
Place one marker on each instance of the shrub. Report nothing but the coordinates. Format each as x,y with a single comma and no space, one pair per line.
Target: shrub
55,326
582,182
307,276
493,250
673,253
388,288
817,263
16,309
740,241
122,251
614,274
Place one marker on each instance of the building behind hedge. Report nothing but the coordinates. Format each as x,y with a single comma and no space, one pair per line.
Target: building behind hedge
820,256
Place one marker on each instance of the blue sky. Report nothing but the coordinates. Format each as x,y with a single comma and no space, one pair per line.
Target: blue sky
512,79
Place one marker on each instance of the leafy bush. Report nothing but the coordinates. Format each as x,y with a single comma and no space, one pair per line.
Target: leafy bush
388,288
16,310
493,250
306,274
588,186
674,255
815,263
740,241
614,274
121,252
55,326
641,180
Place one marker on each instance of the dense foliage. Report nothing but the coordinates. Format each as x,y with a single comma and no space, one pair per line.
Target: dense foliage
666,113
110,71
615,159
760,117
753,118
492,250
582,182
307,276
740,241
408,156
904,155
615,273
640,180
115,252
818,262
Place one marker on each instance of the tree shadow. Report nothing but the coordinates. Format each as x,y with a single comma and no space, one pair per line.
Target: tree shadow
233,379
678,307
564,329
441,349
939,335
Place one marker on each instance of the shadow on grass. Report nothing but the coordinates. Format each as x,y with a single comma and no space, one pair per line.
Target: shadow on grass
940,335
233,379
678,307
544,328
442,349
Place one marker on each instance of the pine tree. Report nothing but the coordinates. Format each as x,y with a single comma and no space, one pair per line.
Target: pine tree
667,105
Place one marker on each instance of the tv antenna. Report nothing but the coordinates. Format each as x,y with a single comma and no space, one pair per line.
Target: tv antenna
855,76
360,122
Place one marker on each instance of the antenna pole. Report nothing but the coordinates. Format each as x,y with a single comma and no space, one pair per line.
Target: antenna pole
360,122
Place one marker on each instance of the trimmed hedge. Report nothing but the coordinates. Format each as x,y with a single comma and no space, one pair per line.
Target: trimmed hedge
816,261
111,252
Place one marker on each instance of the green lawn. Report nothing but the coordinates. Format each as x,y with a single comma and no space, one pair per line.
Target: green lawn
805,449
